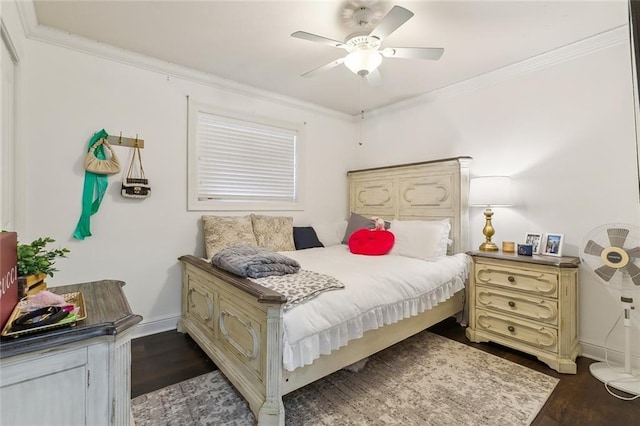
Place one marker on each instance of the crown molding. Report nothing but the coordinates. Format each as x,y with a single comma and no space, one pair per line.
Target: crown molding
35,31
597,42
49,35
27,13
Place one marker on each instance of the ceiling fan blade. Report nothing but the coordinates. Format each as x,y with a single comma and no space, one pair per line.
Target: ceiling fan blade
634,252
634,271
605,272
617,236
433,53
318,39
391,22
593,248
326,67
374,78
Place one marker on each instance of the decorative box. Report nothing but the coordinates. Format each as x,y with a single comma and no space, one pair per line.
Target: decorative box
508,247
525,249
8,274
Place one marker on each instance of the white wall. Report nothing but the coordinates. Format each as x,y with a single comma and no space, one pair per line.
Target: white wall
69,95
565,134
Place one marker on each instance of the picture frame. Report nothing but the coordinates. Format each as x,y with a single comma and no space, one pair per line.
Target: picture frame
534,239
552,244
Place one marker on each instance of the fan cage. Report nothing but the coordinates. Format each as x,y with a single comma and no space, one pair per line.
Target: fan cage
612,253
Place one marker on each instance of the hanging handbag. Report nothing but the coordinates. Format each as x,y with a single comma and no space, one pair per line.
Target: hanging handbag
95,165
135,184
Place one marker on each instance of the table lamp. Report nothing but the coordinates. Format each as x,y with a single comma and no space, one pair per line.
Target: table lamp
490,191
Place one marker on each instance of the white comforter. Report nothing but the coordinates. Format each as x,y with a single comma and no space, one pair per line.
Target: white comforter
378,290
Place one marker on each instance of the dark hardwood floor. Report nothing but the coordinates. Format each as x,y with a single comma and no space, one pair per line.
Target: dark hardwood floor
170,357
162,359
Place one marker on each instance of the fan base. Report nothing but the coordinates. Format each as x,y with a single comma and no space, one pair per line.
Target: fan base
615,377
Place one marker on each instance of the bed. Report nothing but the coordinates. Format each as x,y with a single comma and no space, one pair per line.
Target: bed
241,325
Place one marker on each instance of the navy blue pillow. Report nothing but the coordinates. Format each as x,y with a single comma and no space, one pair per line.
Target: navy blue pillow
305,237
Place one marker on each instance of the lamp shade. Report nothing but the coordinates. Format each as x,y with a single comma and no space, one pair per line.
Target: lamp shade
363,61
490,191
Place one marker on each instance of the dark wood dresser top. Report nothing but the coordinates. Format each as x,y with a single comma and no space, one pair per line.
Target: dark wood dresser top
108,313
560,262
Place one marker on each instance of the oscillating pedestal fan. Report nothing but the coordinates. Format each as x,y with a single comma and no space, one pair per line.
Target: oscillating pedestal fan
612,252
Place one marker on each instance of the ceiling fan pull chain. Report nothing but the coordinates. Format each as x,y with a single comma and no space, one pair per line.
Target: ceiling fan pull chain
361,120
361,110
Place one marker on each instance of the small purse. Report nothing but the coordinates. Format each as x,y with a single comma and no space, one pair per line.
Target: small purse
135,184
101,167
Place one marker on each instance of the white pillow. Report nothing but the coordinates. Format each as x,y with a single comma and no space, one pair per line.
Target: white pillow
422,239
330,233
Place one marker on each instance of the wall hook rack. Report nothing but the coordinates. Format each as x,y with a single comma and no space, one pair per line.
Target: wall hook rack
124,141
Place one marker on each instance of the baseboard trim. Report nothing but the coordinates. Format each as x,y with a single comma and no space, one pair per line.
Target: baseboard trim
589,349
597,352
155,326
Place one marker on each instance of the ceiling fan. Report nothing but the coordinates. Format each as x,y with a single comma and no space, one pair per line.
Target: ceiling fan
364,53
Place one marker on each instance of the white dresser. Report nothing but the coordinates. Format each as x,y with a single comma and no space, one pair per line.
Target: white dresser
528,303
75,375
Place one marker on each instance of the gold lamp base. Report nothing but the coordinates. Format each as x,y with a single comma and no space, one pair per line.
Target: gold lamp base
488,232
488,246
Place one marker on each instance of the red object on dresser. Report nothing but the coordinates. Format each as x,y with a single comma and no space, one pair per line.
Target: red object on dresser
371,242
8,275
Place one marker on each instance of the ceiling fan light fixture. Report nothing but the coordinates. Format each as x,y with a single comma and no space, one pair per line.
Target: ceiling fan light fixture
364,56
363,61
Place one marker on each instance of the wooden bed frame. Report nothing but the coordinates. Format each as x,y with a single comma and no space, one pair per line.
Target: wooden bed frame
239,324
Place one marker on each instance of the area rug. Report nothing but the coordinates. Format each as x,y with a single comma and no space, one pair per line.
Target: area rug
424,380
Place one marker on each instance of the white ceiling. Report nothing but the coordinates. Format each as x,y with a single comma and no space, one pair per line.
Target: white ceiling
249,41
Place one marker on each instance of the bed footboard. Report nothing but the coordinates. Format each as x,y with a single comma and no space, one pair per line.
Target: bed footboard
239,325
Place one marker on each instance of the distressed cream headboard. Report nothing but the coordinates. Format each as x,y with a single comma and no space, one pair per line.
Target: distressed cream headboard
429,190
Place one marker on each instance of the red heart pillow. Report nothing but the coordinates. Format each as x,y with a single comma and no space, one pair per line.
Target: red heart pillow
371,242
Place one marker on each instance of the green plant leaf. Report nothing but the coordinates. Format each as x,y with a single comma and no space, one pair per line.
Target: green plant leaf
34,258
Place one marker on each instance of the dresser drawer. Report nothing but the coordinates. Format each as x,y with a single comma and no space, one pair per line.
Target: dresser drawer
530,280
535,335
510,302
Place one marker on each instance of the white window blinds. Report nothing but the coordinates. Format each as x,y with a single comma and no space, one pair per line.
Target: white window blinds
242,161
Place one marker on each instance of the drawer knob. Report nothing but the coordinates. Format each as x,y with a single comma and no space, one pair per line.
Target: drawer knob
512,303
511,279
511,328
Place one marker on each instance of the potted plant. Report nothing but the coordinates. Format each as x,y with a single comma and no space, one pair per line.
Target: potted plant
35,262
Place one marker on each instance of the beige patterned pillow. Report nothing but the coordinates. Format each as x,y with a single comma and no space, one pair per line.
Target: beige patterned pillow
226,231
274,232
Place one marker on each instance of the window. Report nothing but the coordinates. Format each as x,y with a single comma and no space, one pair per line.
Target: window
240,164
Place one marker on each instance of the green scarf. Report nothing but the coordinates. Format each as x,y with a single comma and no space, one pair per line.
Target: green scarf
93,184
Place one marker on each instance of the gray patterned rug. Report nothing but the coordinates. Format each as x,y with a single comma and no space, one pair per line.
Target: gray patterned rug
424,380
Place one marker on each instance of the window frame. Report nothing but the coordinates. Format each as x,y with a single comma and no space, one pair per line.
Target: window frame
195,204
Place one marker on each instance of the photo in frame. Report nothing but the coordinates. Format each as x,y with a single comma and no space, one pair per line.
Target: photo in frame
552,244
534,239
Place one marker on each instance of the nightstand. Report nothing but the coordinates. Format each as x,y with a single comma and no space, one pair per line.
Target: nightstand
528,303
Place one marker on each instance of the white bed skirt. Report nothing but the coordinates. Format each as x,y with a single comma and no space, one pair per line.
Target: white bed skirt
396,288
